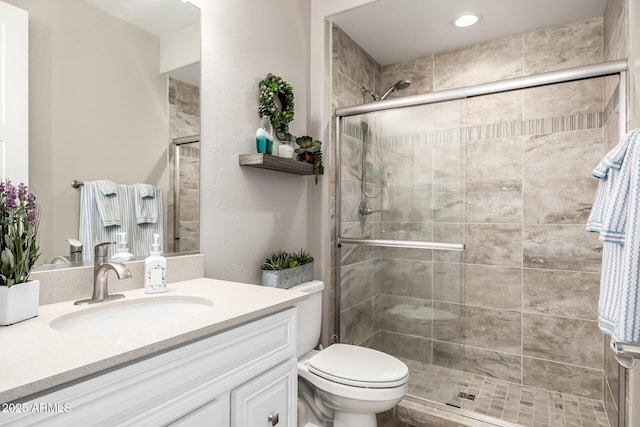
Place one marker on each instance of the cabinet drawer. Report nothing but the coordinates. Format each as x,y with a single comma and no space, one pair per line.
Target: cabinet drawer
268,400
212,413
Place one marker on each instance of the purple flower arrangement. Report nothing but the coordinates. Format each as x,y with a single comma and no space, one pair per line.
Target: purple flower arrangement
19,220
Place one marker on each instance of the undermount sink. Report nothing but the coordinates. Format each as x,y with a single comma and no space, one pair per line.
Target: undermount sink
130,314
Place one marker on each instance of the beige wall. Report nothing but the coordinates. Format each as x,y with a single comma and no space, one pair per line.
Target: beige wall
248,213
98,109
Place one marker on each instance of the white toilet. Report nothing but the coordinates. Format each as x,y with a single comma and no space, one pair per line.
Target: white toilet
342,385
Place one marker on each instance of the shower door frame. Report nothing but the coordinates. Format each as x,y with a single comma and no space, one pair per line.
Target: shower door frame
177,144
611,68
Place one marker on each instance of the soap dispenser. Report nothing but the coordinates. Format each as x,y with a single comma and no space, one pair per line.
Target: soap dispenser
155,269
122,248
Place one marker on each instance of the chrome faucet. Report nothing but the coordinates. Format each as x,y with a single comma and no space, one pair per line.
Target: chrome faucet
100,272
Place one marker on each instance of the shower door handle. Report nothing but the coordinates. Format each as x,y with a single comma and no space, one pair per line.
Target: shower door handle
412,244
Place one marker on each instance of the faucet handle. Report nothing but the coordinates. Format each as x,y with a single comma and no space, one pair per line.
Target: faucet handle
102,249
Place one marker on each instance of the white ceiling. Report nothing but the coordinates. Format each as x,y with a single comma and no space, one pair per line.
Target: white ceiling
157,17
398,30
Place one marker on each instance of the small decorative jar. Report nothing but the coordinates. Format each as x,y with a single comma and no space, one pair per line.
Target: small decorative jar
286,150
264,136
19,302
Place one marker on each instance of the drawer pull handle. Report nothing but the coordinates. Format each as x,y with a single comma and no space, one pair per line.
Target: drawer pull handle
274,419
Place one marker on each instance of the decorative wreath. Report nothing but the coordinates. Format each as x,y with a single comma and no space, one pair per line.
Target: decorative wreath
271,87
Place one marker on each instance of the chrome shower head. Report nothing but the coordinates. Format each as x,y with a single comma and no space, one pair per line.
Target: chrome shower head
399,85
402,84
366,91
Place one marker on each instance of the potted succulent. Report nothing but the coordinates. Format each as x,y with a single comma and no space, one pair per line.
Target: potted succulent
19,251
310,151
284,269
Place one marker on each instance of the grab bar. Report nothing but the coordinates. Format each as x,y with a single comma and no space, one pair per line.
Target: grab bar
412,244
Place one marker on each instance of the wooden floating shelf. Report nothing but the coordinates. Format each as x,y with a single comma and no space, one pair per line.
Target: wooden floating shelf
267,161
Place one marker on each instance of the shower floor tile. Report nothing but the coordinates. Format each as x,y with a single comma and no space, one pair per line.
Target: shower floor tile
518,404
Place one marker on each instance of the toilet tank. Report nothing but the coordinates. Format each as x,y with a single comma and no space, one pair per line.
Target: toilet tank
309,316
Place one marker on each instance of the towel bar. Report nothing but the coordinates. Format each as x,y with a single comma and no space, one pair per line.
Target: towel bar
76,184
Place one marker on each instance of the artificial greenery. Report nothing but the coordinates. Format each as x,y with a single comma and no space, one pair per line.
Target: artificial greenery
19,220
280,260
314,148
317,166
302,257
270,88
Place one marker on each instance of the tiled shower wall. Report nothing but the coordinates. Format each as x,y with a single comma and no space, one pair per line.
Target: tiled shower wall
522,305
184,120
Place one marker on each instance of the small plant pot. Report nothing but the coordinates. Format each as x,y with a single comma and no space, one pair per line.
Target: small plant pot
308,157
19,302
288,277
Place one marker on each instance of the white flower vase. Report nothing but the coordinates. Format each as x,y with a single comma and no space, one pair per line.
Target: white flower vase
19,302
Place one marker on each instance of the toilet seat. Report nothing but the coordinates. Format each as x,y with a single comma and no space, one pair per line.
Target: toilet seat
358,367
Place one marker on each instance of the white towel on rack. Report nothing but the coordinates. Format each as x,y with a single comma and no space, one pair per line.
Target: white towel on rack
145,204
616,216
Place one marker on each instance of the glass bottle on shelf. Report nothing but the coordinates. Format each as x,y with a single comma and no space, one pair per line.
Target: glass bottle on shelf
264,136
286,149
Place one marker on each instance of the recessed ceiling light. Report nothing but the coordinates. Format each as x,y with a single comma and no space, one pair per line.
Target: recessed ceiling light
466,20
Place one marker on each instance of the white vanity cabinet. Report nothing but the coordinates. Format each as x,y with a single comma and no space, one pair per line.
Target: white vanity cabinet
245,376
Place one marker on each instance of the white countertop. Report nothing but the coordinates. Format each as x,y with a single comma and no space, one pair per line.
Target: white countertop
35,357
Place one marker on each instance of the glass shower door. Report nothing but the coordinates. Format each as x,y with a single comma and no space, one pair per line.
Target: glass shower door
184,195
403,187
506,328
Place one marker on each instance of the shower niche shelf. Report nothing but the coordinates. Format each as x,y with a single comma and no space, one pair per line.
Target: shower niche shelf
275,163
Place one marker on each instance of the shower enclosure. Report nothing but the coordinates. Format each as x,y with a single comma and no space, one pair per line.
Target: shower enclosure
183,209
462,247
184,224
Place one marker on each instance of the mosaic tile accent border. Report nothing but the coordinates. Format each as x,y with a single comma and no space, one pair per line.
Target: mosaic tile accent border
510,129
535,126
190,152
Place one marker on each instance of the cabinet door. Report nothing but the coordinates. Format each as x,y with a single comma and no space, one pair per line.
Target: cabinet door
214,413
268,400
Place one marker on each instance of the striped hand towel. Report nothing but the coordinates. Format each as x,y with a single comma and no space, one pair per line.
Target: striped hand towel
108,203
146,206
107,188
93,232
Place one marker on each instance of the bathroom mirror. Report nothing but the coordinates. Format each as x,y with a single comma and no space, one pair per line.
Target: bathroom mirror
111,84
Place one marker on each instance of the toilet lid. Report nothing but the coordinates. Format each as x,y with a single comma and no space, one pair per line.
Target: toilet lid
358,366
